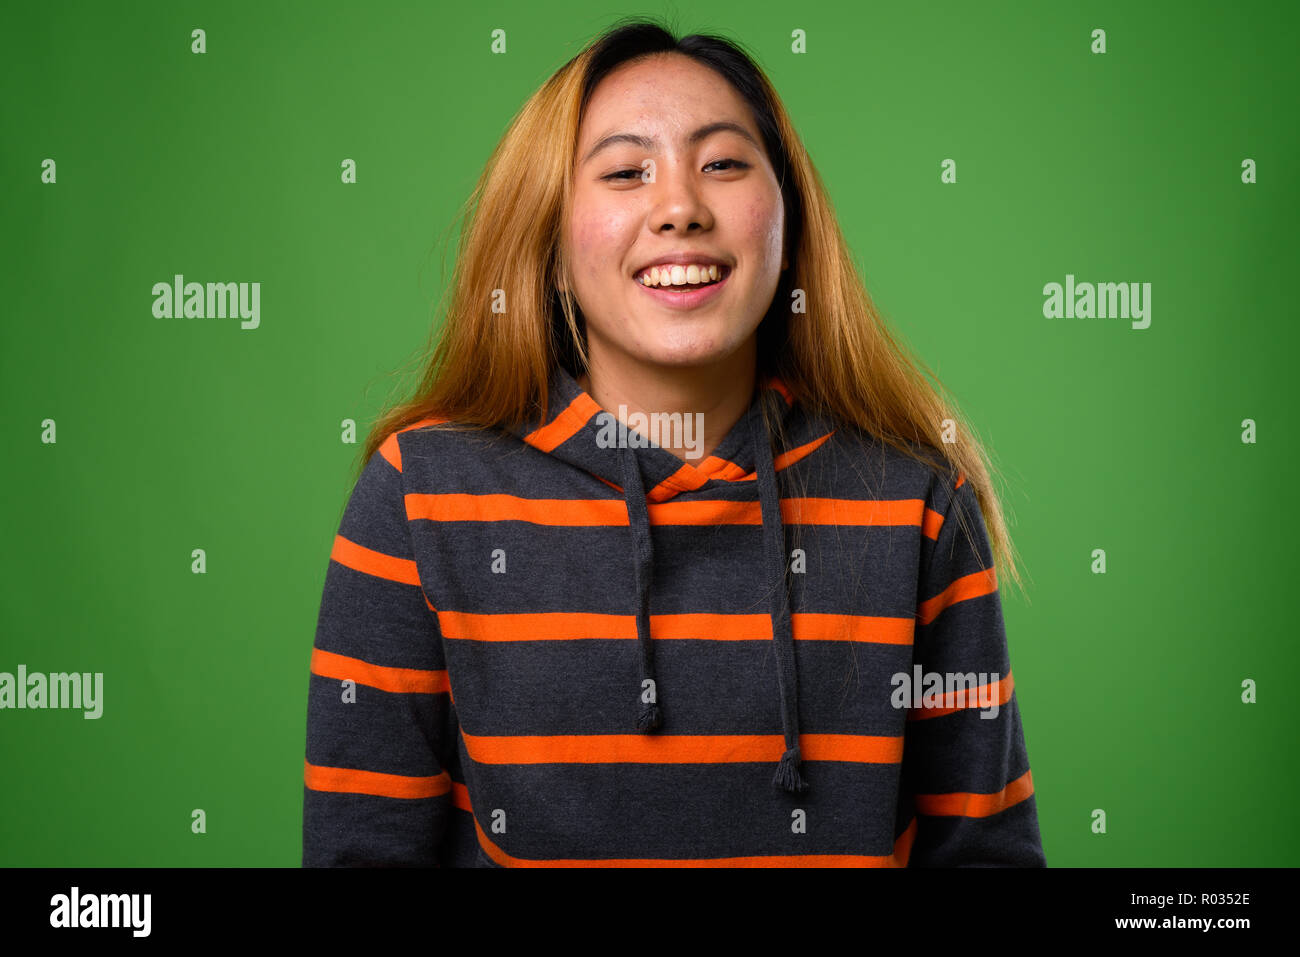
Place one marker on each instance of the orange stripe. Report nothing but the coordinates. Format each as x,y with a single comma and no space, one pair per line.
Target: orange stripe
432,420
780,385
353,781
460,797
966,804
565,425
903,845
716,468
836,511
706,513
676,748
974,585
362,559
576,626
685,479
535,626
786,459
327,664
816,626
902,851
934,520
390,450
1001,695
464,507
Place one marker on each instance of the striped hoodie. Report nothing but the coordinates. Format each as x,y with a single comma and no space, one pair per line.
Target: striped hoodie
537,647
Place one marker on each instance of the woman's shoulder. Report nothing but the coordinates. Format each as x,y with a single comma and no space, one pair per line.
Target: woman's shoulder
896,469
441,442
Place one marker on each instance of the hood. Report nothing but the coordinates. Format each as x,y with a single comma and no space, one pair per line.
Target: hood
578,431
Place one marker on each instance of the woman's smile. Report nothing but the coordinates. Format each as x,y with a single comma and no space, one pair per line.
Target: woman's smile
689,294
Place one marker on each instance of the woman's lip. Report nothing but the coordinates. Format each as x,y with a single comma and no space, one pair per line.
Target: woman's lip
686,300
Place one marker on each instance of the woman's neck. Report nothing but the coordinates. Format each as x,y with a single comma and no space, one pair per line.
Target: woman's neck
714,398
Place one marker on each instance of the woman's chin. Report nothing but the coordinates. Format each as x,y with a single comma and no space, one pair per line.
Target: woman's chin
688,352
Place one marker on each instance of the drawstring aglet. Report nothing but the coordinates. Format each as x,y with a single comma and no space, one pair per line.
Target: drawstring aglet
787,772
650,718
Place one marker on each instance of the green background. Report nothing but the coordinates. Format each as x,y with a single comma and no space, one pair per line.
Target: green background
181,434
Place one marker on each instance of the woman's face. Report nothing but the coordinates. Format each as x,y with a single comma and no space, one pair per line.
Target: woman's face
652,180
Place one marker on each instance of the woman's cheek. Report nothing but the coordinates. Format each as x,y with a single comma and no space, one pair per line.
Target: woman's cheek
592,241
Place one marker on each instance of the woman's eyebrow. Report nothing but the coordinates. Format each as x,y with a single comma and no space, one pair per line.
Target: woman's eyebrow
649,143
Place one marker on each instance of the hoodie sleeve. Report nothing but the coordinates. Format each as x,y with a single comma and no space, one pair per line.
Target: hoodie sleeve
964,759
376,793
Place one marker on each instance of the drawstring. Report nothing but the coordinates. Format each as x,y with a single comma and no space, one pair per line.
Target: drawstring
638,518
650,715
787,772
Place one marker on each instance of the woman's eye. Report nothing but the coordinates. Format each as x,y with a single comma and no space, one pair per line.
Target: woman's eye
626,175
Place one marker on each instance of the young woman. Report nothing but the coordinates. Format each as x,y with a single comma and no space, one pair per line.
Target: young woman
773,635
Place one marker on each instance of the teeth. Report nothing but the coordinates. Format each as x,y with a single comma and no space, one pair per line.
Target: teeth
692,275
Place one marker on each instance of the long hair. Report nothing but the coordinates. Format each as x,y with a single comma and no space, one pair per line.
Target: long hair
490,368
